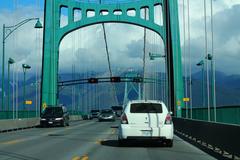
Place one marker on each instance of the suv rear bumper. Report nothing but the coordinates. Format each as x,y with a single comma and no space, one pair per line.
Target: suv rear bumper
133,132
51,123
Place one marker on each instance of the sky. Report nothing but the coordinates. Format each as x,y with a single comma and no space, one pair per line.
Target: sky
85,48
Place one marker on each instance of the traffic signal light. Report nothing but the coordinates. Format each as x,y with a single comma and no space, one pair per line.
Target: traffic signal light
138,79
92,80
115,79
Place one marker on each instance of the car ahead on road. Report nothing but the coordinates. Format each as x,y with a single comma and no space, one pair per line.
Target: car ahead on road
55,115
94,113
106,115
145,120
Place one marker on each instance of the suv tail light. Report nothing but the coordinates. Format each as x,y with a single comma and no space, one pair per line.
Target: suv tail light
168,119
124,119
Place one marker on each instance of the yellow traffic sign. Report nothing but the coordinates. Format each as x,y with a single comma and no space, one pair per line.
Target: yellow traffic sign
178,103
29,102
44,106
186,99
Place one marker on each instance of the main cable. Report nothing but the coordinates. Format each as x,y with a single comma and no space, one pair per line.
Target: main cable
144,56
109,62
206,58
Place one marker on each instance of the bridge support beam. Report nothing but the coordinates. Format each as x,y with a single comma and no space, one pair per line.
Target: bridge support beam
174,60
54,33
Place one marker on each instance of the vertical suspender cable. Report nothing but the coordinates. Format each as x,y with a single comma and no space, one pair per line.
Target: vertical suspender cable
206,54
213,67
144,57
109,63
185,58
190,62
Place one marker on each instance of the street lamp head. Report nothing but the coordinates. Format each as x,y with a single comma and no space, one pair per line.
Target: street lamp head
200,63
25,66
151,58
38,25
11,61
209,57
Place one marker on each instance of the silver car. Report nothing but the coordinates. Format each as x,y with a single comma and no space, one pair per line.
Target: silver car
106,115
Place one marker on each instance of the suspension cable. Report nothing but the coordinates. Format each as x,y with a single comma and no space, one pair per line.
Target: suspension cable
190,61
213,66
109,62
144,56
107,51
206,54
185,57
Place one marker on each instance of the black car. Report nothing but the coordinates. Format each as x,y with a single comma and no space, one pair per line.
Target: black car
94,113
106,115
53,116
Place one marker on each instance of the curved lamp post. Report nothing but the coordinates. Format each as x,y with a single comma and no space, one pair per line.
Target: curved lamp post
7,31
10,61
201,63
25,68
213,84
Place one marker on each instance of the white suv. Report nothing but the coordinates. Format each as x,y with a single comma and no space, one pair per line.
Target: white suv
148,119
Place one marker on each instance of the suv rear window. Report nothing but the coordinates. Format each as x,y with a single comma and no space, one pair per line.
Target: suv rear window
146,108
53,111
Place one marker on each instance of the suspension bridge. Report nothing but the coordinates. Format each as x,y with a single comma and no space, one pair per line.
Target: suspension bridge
96,54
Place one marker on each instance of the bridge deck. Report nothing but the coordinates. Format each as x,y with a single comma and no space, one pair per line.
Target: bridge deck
96,139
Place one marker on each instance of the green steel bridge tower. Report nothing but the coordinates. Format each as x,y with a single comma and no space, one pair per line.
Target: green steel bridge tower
114,13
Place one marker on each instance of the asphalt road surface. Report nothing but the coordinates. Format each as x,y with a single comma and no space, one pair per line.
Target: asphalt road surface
88,140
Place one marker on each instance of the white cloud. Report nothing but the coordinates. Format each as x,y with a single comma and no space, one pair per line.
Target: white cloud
87,49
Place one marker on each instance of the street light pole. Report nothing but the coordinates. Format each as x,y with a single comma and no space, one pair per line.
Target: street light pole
7,31
201,63
10,61
153,56
25,67
213,86
3,70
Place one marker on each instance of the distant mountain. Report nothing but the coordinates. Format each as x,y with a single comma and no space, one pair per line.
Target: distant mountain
100,95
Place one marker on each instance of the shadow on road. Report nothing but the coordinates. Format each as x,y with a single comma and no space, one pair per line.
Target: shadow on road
11,155
134,143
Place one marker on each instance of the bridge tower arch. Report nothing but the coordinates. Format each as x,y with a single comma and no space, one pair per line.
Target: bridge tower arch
116,13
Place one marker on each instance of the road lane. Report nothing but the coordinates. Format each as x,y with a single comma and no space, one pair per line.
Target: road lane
95,140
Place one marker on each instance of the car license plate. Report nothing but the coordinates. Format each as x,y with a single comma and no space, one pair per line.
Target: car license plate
146,133
50,122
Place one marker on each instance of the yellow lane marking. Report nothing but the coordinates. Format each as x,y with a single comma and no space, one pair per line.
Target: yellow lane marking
13,141
84,157
98,141
76,158
113,131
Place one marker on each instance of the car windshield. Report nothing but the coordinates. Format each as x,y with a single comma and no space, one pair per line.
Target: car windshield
53,111
146,108
107,112
94,111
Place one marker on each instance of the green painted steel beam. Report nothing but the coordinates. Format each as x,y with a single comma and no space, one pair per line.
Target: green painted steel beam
53,34
177,58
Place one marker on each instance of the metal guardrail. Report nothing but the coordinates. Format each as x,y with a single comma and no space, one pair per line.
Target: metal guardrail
225,114
4,115
226,137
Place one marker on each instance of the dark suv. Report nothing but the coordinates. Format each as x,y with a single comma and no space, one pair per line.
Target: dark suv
55,115
94,113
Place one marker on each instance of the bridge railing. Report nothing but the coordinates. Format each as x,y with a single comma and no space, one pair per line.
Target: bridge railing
222,136
225,114
28,114
18,115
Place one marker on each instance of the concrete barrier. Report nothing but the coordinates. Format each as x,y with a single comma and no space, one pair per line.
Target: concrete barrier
7,125
76,118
